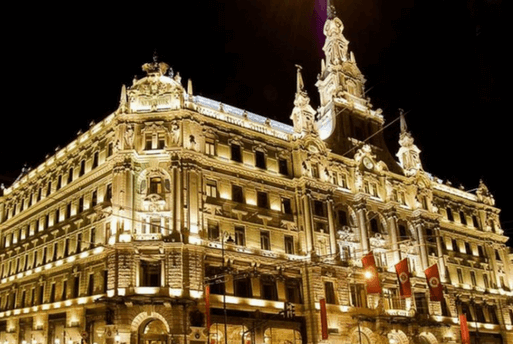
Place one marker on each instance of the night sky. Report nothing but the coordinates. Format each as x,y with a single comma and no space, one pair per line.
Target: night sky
444,64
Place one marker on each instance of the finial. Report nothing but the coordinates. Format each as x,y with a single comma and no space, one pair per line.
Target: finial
155,56
404,127
332,13
300,84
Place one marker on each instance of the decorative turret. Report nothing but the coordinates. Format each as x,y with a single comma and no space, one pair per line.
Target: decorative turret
160,90
303,115
408,154
340,76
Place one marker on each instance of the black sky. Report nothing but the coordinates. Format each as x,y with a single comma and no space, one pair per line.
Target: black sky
443,62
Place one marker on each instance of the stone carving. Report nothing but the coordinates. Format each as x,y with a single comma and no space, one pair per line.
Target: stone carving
129,136
484,195
408,153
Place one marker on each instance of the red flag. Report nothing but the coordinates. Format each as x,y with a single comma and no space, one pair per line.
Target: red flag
324,319
371,274
207,305
436,292
465,335
403,275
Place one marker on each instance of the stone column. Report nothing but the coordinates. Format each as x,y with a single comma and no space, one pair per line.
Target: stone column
307,217
418,223
361,212
331,226
391,216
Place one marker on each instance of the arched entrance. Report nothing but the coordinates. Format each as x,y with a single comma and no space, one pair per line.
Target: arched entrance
153,331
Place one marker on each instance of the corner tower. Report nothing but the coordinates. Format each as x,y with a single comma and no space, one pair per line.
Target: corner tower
346,119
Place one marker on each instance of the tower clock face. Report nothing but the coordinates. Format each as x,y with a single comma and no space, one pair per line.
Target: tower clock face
325,125
367,163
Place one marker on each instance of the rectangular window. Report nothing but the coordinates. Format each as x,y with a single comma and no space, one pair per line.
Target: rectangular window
342,218
240,236
358,295
485,281
242,287
449,214
70,175
237,194
319,209
95,160
52,293
293,290
213,230
262,200
161,141
473,278
265,240
210,147
148,141
82,168
64,290
475,221
108,193
286,206
463,218
41,294
460,276
150,273
421,303
236,153
94,198
76,287
155,185
269,291
315,171
260,161
90,285
211,188
283,167
289,244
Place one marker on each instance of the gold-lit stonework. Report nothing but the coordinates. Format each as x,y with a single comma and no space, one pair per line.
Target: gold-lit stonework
115,238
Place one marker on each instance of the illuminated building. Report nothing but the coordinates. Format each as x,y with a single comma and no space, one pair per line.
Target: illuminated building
115,236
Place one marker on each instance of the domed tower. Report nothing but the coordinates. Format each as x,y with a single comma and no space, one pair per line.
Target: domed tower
346,119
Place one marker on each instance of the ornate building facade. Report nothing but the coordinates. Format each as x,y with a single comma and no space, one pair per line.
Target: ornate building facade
118,237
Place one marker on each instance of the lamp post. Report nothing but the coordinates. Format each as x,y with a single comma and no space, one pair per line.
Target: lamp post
229,241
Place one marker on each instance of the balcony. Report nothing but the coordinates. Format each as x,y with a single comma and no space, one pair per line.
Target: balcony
147,236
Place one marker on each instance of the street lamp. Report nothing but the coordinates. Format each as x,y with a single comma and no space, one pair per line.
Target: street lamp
228,241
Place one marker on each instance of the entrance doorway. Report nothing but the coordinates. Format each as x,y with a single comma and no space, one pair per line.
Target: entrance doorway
153,332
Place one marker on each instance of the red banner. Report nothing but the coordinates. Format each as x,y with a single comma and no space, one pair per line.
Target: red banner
207,305
403,275
324,319
465,335
436,291
371,274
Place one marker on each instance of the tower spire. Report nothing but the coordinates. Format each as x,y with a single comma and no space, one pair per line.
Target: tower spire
300,83
404,127
303,115
332,13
